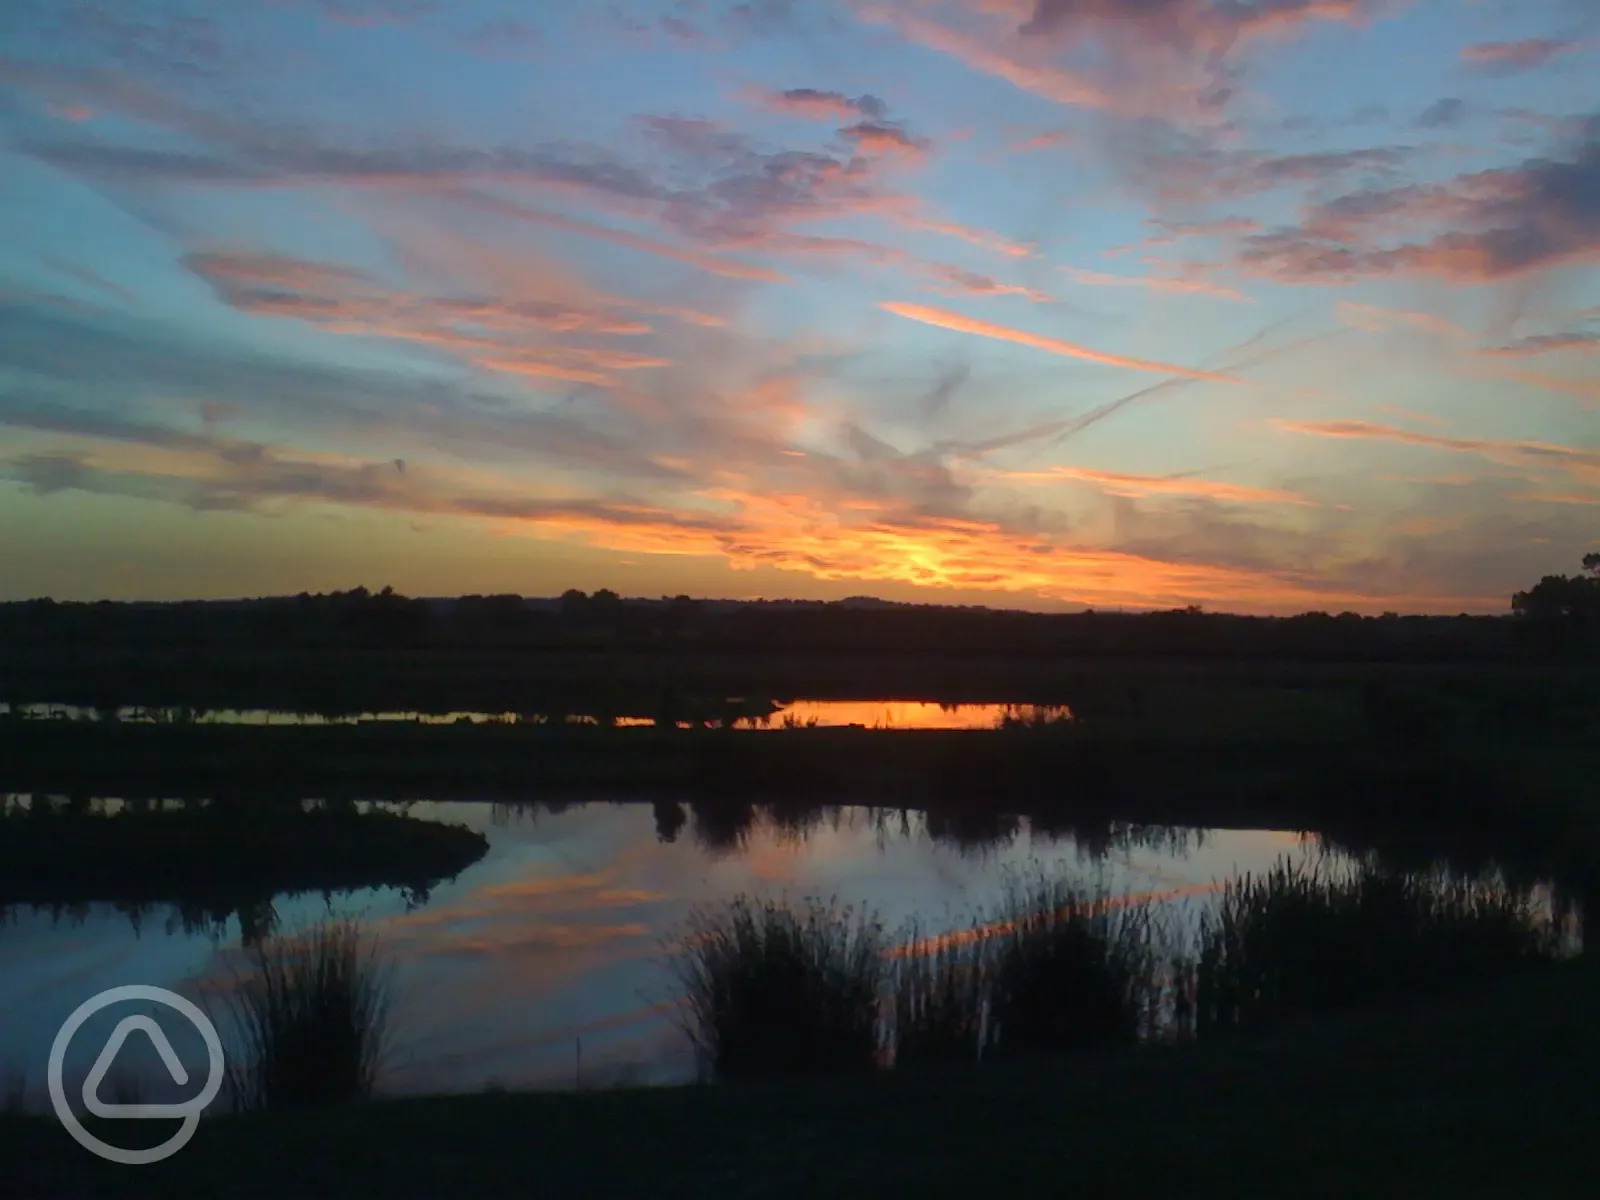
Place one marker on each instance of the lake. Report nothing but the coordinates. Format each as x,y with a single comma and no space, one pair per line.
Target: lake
870,714
556,937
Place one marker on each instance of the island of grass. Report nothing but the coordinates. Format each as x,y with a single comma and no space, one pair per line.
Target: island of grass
217,859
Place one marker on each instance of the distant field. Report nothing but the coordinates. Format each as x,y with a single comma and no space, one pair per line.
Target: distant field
633,683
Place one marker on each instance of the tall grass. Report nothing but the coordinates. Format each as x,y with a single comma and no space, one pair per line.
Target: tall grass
1071,967
772,989
312,1012
1310,937
941,996
1062,966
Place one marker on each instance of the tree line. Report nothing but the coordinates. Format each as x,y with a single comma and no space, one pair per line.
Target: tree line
1559,613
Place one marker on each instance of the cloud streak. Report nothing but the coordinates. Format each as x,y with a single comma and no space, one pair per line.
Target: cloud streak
1578,462
1508,58
1114,483
943,319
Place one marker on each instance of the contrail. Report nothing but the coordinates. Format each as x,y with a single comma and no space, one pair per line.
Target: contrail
1105,410
1004,333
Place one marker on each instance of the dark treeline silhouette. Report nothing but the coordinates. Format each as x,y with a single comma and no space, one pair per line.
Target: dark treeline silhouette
1564,600
385,619
359,651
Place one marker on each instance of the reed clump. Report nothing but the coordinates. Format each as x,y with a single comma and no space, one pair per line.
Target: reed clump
312,1014
1310,937
772,988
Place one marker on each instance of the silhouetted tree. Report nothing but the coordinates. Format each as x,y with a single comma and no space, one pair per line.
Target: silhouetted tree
1563,597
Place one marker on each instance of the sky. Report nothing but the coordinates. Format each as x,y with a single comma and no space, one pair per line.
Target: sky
1262,305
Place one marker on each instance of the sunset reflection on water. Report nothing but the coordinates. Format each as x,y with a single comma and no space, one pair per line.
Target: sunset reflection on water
543,965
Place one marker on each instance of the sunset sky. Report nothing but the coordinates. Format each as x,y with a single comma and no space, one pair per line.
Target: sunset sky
1265,305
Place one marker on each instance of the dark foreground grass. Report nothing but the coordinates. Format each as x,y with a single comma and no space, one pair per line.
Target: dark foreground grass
311,1018
1065,966
941,987
1062,966
1073,967
1315,937
774,989
1489,1093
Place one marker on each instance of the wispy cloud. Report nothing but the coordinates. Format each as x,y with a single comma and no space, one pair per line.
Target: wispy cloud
1572,459
1115,483
1500,223
494,333
1175,284
1547,343
818,105
944,319
1047,140
958,281
1507,58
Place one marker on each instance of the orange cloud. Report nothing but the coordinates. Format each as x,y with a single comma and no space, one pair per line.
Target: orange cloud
1375,319
949,320
1588,498
797,533
1589,390
1157,283
975,237
876,137
1516,56
1547,343
1584,463
1138,486
1043,141
506,334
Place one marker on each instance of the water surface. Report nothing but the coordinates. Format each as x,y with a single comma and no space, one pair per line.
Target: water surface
871,714
543,964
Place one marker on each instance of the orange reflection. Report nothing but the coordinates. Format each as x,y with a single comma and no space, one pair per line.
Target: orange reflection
978,933
907,714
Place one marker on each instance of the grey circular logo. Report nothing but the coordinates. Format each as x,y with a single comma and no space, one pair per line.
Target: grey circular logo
189,1110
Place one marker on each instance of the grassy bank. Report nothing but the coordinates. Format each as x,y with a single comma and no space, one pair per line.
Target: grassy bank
1487,1094
1064,966
220,860
1077,763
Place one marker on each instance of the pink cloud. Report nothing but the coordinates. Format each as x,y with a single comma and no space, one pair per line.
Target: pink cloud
975,237
877,137
1157,283
1004,333
1548,343
1048,140
1543,214
1525,55
1115,483
1169,58
817,105
1052,83
1576,461
505,334
710,263
960,282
